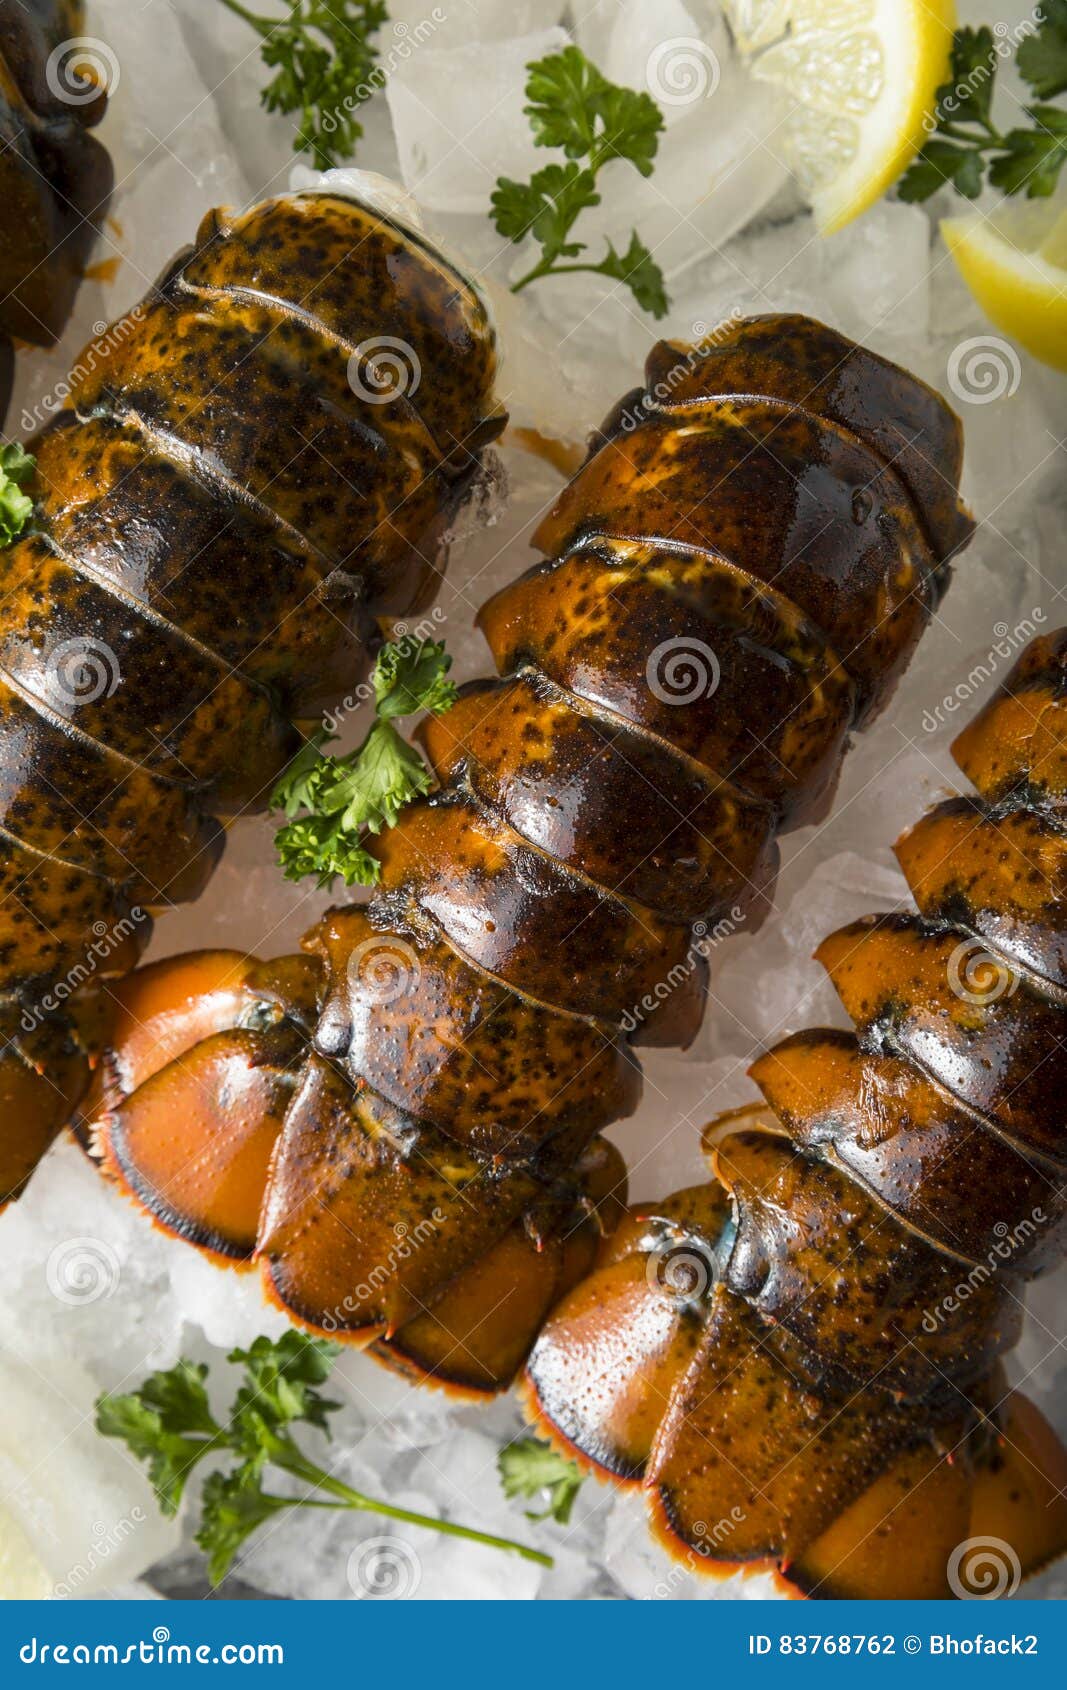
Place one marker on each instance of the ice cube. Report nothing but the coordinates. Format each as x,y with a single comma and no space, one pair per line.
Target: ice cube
458,118
81,1504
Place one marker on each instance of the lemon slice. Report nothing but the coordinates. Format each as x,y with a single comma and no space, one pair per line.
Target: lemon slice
1015,264
860,77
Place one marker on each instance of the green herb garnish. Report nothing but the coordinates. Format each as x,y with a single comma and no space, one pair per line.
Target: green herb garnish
573,107
168,1424
968,147
16,507
349,797
325,65
530,1466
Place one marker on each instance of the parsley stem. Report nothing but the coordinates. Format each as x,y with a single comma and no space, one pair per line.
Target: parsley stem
550,269
263,25
302,1468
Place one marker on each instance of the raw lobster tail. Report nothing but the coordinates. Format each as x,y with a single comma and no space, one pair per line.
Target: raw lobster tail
55,179
735,581
260,460
800,1361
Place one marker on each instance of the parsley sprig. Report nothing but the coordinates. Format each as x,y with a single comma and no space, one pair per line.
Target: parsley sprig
324,61
16,507
349,797
968,146
573,107
168,1424
528,1466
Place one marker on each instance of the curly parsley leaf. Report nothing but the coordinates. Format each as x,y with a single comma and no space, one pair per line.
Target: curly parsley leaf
352,796
573,107
324,61
16,507
1042,56
968,148
529,1466
168,1425
1033,159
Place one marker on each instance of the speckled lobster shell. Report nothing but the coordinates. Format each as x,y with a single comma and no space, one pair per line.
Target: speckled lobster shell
230,501
734,580
807,1349
55,178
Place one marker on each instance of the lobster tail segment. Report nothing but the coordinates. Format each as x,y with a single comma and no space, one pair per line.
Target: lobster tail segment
819,1333
733,581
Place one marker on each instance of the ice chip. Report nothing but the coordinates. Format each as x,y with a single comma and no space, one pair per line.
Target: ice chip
459,123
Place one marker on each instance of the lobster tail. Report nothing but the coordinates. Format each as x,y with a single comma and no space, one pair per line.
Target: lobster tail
814,1339
239,488
55,178
735,580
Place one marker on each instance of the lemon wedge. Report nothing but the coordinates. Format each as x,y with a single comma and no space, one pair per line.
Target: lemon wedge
1015,264
860,78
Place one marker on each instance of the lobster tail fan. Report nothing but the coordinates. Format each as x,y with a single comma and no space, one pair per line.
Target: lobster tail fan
875,1224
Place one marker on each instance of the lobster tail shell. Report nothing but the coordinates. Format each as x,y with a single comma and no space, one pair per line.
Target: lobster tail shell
55,178
862,1253
735,581
236,492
